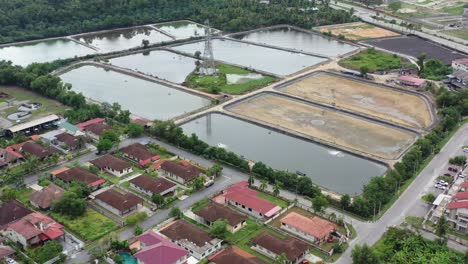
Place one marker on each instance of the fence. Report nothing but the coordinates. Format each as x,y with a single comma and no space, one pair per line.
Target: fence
110,215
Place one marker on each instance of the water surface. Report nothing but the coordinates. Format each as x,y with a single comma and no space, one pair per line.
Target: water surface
327,167
143,98
182,29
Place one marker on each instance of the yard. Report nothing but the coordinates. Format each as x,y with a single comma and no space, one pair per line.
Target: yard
374,60
91,226
281,203
200,204
245,80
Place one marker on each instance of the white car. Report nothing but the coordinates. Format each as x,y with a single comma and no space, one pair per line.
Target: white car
465,150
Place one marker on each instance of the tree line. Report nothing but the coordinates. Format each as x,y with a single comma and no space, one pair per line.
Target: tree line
32,19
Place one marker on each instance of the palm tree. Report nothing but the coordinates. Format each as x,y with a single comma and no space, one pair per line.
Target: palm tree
263,186
276,189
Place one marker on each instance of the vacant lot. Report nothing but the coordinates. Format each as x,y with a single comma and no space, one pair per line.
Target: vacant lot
459,33
330,126
91,226
414,46
397,107
358,31
374,60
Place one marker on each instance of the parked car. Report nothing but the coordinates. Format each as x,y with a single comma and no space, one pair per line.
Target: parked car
465,150
447,174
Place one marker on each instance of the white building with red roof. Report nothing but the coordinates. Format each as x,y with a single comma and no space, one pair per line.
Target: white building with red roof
313,229
247,200
34,229
457,215
155,249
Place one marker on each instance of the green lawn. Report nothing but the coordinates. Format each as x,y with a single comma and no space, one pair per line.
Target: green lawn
275,200
91,226
200,204
455,10
374,60
459,33
219,81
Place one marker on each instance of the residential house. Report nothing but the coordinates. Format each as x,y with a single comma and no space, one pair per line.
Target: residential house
154,249
83,125
214,211
183,172
94,128
31,148
34,229
460,64
273,246
313,229
33,126
457,215
10,212
118,203
5,251
72,142
198,242
44,198
140,121
77,174
234,255
139,153
412,81
9,158
247,200
150,186
459,79
113,165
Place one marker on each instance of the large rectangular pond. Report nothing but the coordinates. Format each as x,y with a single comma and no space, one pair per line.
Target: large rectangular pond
143,98
333,169
159,63
290,38
43,51
122,39
182,29
270,60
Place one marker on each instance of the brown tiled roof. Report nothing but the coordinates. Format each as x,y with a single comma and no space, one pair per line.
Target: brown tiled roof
45,197
292,247
97,128
12,211
315,226
158,185
119,200
112,162
234,255
185,171
214,211
79,175
137,150
6,157
69,140
37,150
180,229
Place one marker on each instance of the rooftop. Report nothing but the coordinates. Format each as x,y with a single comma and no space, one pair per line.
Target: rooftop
45,197
137,150
292,247
109,161
12,211
461,196
463,61
185,170
33,123
69,140
158,250
158,185
314,226
119,201
411,79
7,156
458,205
37,150
97,128
234,255
35,224
241,193
214,211
79,175
89,122
6,251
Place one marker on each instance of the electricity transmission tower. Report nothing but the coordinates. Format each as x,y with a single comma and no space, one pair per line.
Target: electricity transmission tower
208,65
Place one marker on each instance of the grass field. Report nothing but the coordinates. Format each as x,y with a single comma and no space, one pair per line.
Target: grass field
455,10
281,203
459,33
91,226
374,60
219,82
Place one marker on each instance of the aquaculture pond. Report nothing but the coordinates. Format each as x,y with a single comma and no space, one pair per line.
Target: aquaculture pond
43,51
159,63
330,168
291,38
270,60
122,39
182,29
143,98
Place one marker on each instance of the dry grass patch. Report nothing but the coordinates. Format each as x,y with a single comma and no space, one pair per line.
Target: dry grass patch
358,31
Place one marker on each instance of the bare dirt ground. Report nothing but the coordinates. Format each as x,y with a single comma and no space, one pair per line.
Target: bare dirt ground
397,107
358,31
333,127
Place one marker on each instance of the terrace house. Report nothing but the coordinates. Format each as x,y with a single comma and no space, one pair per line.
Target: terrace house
213,212
198,242
139,153
113,165
32,148
313,229
272,246
77,174
234,255
150,186
118,203
34,229
183,172
154,249
247,200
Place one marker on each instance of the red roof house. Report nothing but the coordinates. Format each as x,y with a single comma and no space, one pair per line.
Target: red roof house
247,200
234,255
154,249
461,196
411,81
314,229
90,122
458,205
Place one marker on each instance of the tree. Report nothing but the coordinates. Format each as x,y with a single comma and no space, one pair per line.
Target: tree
176,212
215,170
136,218
263,185
70,205
420,61
104,145
441,229
135,130
8,193
364,255
458,160
345,201
319,203
138,230
219,229
395,6
281,259
157,199
145,43
251,180
364,70
199,182
48,251
277,189
197,54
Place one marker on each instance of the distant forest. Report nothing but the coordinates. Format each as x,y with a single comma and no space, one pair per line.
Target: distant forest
33,19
